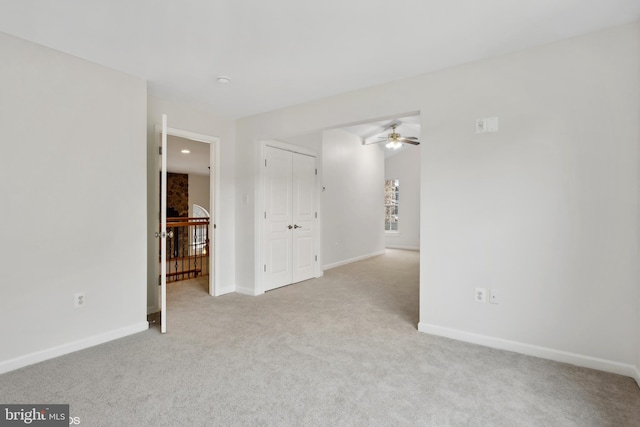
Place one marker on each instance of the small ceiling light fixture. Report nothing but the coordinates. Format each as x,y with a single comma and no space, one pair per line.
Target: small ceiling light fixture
393,145
185,151
223,80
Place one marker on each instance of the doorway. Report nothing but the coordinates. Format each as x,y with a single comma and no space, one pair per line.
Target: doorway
213,154
188,221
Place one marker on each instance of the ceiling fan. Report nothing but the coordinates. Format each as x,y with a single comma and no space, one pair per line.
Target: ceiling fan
395,140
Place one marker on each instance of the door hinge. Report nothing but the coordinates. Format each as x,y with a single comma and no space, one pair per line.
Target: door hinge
316,258
265,268
316,171
265,162
160,150
159,281
215,226
265,214
316,215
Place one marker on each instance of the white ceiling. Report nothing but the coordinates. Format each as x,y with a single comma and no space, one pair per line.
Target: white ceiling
285,52
197,161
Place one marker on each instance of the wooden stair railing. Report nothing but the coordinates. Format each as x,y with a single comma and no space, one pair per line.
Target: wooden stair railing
188,248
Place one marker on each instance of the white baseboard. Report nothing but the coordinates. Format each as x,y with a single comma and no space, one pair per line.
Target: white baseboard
60,350
636,375
533,350
349,261
247,291
226,290
408,248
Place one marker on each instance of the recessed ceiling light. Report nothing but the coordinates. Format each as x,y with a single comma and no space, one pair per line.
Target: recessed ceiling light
223,80
185,151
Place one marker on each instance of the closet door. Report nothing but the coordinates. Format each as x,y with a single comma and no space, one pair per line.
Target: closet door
289,240
278,217
304,184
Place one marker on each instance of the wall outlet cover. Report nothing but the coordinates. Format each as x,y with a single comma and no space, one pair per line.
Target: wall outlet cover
491,124
494,297
78,300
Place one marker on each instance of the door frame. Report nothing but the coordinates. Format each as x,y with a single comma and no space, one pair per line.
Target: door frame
214,196
260,209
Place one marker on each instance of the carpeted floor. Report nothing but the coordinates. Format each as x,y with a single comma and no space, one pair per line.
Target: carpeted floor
342,350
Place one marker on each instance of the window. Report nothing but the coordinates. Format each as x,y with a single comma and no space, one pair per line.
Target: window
391,197
200,212
200,232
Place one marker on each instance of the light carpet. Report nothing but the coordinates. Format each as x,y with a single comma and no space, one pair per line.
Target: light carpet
341,350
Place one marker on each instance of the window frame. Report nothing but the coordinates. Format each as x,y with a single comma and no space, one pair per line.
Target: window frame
391,200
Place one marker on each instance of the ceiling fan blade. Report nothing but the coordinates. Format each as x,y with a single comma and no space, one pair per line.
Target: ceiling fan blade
409,141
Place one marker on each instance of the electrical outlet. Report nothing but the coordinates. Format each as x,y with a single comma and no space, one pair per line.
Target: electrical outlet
481,295
78,300
494,297
491,124
487,124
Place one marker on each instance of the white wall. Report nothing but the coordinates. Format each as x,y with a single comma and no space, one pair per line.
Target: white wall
188,118
405,166
73,190
312,141
353,181
198,191
546,210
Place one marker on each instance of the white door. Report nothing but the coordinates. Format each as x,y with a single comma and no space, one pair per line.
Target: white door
289,251
304,184
163,228
279,218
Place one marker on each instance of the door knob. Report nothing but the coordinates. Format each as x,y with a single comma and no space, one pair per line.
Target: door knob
297,226
289,227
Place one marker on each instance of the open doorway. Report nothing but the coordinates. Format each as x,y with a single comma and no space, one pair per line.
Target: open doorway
188,207
213,207
399,140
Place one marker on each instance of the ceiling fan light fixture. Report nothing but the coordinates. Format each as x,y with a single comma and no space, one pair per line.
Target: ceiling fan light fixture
393,145
394,140
223,80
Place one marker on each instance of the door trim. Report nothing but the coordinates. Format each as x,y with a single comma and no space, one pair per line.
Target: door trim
214,196
260,209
